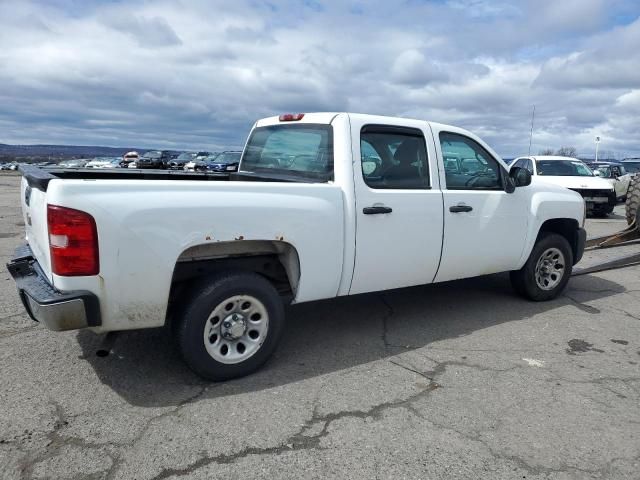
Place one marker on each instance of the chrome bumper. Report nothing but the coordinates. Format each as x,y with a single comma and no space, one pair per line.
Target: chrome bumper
57,310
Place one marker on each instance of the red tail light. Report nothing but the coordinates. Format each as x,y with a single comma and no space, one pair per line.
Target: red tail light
291,117
73,242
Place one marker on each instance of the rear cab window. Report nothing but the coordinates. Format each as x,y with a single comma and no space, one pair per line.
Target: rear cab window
301,152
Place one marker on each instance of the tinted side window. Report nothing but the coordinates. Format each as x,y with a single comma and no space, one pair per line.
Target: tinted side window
477,170
393,158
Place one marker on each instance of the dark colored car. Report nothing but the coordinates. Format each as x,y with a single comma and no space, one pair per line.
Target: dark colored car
605,165
181,160
154,159
224,162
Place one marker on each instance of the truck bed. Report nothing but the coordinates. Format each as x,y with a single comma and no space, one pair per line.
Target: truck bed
39,177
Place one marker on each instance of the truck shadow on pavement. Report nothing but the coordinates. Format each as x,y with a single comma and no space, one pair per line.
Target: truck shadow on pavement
145,369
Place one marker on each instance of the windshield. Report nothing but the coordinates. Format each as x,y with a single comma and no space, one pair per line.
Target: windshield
303,150
605,170
153,154
185,156
229,157
563,168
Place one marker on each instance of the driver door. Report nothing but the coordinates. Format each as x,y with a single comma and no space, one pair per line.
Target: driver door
484,227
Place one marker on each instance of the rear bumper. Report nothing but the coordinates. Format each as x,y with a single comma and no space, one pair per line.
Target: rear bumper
57,310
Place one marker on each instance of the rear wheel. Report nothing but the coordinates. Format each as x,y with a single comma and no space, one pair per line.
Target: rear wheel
231,326
633,199
547,271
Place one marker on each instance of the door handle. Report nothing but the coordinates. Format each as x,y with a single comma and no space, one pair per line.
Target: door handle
460,208
376,210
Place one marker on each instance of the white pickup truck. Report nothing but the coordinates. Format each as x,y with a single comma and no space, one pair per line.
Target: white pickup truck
323,205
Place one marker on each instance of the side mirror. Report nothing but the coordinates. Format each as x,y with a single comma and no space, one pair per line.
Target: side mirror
521,176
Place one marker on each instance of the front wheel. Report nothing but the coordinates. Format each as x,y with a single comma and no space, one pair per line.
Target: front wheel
547,271
231,326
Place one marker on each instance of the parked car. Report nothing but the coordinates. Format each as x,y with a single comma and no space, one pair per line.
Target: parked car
181,160
631,165
104,162
129,158
223,162
198,158
599,195
615,174
75,163
154,159
245,247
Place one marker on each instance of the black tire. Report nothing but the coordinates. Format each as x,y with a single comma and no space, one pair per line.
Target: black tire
633,199
190,328
524,280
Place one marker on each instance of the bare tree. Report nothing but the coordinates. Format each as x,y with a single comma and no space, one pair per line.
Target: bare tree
546,151
567,152
607,155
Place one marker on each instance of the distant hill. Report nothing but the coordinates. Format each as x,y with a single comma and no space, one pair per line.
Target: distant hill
63,151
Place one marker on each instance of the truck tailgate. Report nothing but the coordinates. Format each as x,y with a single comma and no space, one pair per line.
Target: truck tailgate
34,212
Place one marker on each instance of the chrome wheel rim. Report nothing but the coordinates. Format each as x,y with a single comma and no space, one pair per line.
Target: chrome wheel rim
236,329
550,269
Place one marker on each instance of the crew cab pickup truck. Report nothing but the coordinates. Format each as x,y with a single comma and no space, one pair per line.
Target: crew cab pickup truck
323,205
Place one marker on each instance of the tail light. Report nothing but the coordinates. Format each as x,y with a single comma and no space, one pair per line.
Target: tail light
73,242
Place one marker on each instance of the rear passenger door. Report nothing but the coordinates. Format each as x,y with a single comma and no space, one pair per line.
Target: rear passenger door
398,206
484,227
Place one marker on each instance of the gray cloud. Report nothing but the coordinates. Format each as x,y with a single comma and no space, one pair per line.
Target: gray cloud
196,74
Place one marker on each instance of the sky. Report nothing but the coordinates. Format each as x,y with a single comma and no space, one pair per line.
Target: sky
196,74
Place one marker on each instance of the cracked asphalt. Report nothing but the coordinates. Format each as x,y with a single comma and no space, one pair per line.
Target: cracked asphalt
462,380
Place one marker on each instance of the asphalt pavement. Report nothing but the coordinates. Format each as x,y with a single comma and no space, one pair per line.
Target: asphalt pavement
462,380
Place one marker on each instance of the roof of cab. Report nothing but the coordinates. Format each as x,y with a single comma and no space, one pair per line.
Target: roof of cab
313,117
553,157
327,118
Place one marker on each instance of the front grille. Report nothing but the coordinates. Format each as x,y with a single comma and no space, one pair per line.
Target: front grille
589,192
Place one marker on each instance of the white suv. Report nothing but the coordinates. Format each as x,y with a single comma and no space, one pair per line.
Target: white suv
599,195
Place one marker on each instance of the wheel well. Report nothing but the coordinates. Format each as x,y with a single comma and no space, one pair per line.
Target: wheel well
277,261
567,227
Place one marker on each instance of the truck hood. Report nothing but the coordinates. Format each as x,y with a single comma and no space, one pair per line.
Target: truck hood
581,183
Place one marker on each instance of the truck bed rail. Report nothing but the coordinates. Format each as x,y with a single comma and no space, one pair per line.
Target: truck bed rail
40,177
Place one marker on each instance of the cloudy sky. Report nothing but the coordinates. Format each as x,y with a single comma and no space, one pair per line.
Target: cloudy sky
195,73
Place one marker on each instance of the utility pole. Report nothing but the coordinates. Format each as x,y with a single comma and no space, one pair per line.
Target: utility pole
533,114
597,145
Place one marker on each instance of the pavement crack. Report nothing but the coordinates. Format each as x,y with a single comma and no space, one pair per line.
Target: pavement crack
581,306
18,332
301,440
12,315
385,318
